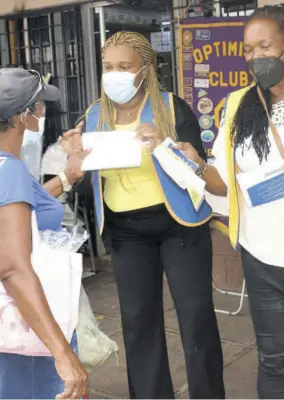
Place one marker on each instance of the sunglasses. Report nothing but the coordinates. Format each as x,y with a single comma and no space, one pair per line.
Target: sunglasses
41,86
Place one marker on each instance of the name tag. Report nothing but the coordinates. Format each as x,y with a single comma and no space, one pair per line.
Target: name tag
264,186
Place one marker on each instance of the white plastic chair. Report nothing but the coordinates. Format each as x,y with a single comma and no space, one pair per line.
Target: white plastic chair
223,210
242,294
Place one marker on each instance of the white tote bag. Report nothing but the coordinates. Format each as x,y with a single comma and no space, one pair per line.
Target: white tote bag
60,273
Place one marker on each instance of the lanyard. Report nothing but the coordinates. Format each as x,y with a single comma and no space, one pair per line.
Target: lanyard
273,128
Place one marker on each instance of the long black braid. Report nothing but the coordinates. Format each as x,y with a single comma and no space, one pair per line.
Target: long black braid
250,119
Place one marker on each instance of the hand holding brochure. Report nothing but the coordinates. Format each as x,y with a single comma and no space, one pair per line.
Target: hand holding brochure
181,170
111,150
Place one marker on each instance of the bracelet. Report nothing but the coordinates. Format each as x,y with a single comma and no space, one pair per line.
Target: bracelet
201,170
64,182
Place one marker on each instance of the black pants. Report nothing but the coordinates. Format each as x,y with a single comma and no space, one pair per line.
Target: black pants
265,286
144,245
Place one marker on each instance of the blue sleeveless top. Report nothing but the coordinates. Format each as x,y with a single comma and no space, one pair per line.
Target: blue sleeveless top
18,186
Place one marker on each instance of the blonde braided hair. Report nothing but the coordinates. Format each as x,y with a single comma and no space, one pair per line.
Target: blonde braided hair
151,84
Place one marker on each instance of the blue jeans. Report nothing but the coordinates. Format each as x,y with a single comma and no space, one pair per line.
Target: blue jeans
24,377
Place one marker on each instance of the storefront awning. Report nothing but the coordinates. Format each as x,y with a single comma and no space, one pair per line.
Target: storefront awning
17,6
262,3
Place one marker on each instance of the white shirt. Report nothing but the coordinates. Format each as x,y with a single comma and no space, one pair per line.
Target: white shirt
261,227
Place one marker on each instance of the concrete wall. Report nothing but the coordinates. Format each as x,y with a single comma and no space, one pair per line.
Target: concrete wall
12,6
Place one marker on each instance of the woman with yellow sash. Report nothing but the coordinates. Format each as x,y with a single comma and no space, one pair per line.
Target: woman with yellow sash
249,169
152,227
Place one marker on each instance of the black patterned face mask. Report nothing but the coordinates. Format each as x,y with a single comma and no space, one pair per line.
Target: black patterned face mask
267,71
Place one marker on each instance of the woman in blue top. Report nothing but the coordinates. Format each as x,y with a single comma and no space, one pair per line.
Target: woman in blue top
21,105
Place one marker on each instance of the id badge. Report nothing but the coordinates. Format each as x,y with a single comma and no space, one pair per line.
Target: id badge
263,186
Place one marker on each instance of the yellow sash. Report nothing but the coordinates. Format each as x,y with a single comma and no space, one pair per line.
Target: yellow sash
233,187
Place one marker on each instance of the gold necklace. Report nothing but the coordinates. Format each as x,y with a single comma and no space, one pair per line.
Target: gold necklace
136,108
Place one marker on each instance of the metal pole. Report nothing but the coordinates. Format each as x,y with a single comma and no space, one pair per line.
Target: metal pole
27,43
80,89
217,9
4,47
100,11
173,50
89,48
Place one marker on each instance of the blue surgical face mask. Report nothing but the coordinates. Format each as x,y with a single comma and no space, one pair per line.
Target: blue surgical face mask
119,86
31,150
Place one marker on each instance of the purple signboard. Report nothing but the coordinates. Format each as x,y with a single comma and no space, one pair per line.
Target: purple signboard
211,65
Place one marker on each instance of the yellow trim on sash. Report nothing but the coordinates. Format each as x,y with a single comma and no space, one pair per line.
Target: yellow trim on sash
220,226
180,75
169,208
233,187
167,204
172,109
101,228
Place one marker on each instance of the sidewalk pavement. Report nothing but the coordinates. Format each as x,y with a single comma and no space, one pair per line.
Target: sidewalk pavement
109,381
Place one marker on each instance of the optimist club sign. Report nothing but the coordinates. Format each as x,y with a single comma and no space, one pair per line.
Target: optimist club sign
211,66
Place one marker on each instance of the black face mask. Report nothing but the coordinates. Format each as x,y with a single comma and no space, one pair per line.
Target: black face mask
268,71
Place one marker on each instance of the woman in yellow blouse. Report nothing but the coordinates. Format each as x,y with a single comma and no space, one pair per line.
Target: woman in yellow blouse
153,228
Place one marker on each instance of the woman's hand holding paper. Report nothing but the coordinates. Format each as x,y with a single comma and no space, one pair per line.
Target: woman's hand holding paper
71,141
189,151
150,135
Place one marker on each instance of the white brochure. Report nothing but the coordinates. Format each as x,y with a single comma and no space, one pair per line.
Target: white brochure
111,150
181,170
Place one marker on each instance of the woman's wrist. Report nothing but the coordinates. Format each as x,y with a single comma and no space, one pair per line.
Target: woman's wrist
71,176
61,350
200,161
202,166
66,181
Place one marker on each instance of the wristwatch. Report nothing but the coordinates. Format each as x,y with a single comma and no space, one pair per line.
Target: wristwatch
64,182
201,170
